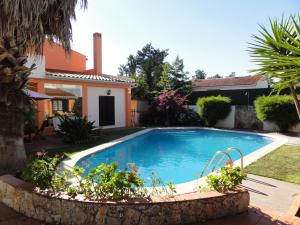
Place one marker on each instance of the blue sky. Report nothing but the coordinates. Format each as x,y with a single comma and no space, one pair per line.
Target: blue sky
208,34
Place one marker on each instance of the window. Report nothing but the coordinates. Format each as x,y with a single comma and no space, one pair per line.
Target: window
66,98
57,105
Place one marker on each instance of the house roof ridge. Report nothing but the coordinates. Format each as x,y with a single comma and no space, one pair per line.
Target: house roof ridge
226,81
88,76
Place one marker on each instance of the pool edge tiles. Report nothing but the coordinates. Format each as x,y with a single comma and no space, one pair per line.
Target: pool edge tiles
190,186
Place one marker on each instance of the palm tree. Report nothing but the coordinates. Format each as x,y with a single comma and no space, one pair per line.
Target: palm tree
24,26
277,54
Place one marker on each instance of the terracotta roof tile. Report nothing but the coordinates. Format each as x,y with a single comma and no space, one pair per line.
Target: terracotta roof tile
89,77
58,92
228,81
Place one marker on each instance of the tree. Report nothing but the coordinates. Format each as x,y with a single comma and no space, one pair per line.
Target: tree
277,54
130,68
146,68
24,25
232,74
165,81
215,76
150,62
200,74
180,80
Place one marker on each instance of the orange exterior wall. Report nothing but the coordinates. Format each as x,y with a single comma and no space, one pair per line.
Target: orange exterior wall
41,104
57,59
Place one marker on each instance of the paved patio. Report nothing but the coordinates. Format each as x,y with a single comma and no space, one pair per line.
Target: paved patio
271,193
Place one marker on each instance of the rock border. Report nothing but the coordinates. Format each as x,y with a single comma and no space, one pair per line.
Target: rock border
181,209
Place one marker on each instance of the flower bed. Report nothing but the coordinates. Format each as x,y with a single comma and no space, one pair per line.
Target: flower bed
180,209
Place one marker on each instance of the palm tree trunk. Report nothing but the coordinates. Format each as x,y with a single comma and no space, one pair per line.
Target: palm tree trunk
12,151
296,100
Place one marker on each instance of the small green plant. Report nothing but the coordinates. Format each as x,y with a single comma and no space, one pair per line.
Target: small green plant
213,108
279,109
226,178
40,171
158,187
77,130
103,182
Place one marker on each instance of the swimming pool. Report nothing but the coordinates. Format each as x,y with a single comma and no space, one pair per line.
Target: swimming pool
174,155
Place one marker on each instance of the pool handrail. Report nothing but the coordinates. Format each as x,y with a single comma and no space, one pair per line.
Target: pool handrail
213,158
227,151
224,153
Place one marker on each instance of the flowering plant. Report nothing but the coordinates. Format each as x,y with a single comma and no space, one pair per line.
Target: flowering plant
170,100
226,178
103,182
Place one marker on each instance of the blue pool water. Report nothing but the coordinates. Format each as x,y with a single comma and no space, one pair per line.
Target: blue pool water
174,155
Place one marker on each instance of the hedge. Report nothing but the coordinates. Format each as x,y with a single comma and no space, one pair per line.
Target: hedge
279,109
214,108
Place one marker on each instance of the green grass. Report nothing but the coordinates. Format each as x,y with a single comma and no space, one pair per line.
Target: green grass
281,164
106,136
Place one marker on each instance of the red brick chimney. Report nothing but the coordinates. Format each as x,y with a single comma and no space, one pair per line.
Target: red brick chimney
97,53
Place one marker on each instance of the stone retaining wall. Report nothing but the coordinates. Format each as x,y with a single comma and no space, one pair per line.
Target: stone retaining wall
181,209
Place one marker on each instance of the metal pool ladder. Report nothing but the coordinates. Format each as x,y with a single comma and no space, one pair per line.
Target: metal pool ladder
223,154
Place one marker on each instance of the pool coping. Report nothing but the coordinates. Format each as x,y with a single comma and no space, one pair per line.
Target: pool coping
189,186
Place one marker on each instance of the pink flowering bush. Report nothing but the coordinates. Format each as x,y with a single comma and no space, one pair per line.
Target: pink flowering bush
170,100
168,109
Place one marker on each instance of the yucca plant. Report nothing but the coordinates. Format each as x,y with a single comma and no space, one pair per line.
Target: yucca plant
24,26
77,130
276,51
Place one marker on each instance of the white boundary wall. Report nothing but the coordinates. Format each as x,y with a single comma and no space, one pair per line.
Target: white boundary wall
228,122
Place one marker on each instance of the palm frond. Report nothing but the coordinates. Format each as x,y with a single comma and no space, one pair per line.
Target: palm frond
32,21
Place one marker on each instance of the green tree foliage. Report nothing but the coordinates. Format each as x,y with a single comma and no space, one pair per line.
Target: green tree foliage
232,74
276,51
216,76
279,109
165,81
179,77
200,74
153,74
213,108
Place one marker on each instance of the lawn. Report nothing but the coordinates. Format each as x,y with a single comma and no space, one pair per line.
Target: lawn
104,137
281,164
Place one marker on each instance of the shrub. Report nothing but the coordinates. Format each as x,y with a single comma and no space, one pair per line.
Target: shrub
40,171
77,130
187,117
169,103
227,178
102,182
213,108
168,109
279,109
